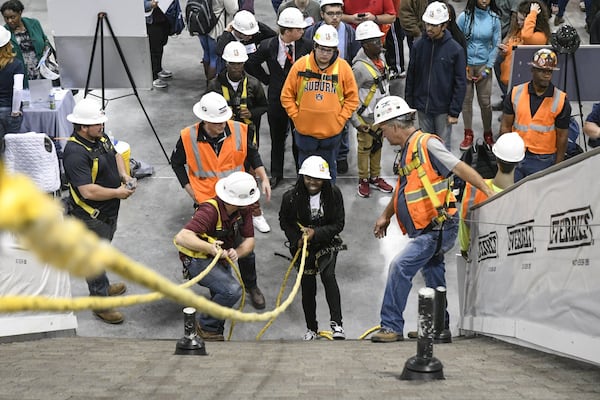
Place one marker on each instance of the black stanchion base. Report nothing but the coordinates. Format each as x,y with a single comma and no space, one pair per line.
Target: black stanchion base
419,369
444,336
190,347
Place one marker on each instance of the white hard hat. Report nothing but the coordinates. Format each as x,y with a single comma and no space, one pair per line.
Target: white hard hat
238,189
315,167
212,107
368,30
330,2
87,112
235,52
4,36
391,107
326,35
509,147
49,70
245,22
436,13
291,17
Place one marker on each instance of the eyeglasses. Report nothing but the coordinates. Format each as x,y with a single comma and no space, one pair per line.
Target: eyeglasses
334,13
325,50
433,25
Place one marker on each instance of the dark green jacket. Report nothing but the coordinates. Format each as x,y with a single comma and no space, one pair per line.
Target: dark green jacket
38,38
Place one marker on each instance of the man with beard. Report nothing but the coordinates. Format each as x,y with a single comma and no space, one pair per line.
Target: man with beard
540,113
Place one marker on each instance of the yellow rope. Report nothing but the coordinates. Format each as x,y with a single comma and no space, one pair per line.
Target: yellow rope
369,331
67,244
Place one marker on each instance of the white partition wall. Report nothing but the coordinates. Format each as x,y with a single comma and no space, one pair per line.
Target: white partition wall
534,274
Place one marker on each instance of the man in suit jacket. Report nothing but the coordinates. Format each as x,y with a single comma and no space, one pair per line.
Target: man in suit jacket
279,53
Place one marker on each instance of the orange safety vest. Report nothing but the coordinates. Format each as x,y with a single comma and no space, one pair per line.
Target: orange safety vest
471,197
538,131
204,167
417,202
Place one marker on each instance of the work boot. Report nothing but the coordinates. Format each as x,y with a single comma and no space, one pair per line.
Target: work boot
256,298
110,316
468,140
209,336
342,166
488,137
116,289
444,336
385,335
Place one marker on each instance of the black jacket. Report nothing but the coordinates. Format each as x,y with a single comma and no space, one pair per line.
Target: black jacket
267,52
295,207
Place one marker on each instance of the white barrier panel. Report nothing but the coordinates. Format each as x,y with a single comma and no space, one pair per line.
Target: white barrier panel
534,275
22,274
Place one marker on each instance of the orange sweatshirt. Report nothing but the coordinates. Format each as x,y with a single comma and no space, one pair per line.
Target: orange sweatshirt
527,35
320,113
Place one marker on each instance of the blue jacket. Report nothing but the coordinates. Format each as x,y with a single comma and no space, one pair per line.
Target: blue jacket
436,76
483,37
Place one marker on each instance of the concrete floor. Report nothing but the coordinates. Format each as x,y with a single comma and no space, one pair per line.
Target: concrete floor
160,207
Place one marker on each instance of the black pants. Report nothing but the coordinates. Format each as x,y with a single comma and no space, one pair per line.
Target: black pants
158,35
98,285
332,294
279,125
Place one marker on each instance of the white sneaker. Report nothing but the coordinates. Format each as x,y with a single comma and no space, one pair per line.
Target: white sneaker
261,224
164,74
159,83
338,331
310,335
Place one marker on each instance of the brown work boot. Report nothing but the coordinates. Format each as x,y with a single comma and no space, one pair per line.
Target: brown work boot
116,289
385,335
209,336
256,298
110,316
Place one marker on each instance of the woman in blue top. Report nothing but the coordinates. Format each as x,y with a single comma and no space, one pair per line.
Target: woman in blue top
28,38
11,87
480,23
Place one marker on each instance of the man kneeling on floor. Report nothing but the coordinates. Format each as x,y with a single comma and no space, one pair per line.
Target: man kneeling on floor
226,219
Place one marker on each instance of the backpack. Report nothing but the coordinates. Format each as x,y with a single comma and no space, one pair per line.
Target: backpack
481,159
200,17
175,18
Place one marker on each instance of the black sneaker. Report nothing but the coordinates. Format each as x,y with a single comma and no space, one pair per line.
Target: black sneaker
342,166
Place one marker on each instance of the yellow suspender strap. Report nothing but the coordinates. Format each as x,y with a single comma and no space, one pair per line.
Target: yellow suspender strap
226,95
209,239
372,91
93,212
306,78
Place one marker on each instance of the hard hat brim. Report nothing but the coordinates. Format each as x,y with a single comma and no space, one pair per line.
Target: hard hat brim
246,31
86,121
224,195
197,110
534,65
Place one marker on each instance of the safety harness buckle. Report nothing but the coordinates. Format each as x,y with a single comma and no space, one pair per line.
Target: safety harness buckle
95,213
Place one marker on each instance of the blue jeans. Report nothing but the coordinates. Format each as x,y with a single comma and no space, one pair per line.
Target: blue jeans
224,288
326,148
344,145
9,124
98,285
533,163
419,254
209,46
436,124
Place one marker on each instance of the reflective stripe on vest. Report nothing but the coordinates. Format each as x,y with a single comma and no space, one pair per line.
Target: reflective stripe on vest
308,74
538,131
201,172
427,195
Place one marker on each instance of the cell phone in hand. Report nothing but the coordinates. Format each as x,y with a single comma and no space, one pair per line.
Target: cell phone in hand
362,15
